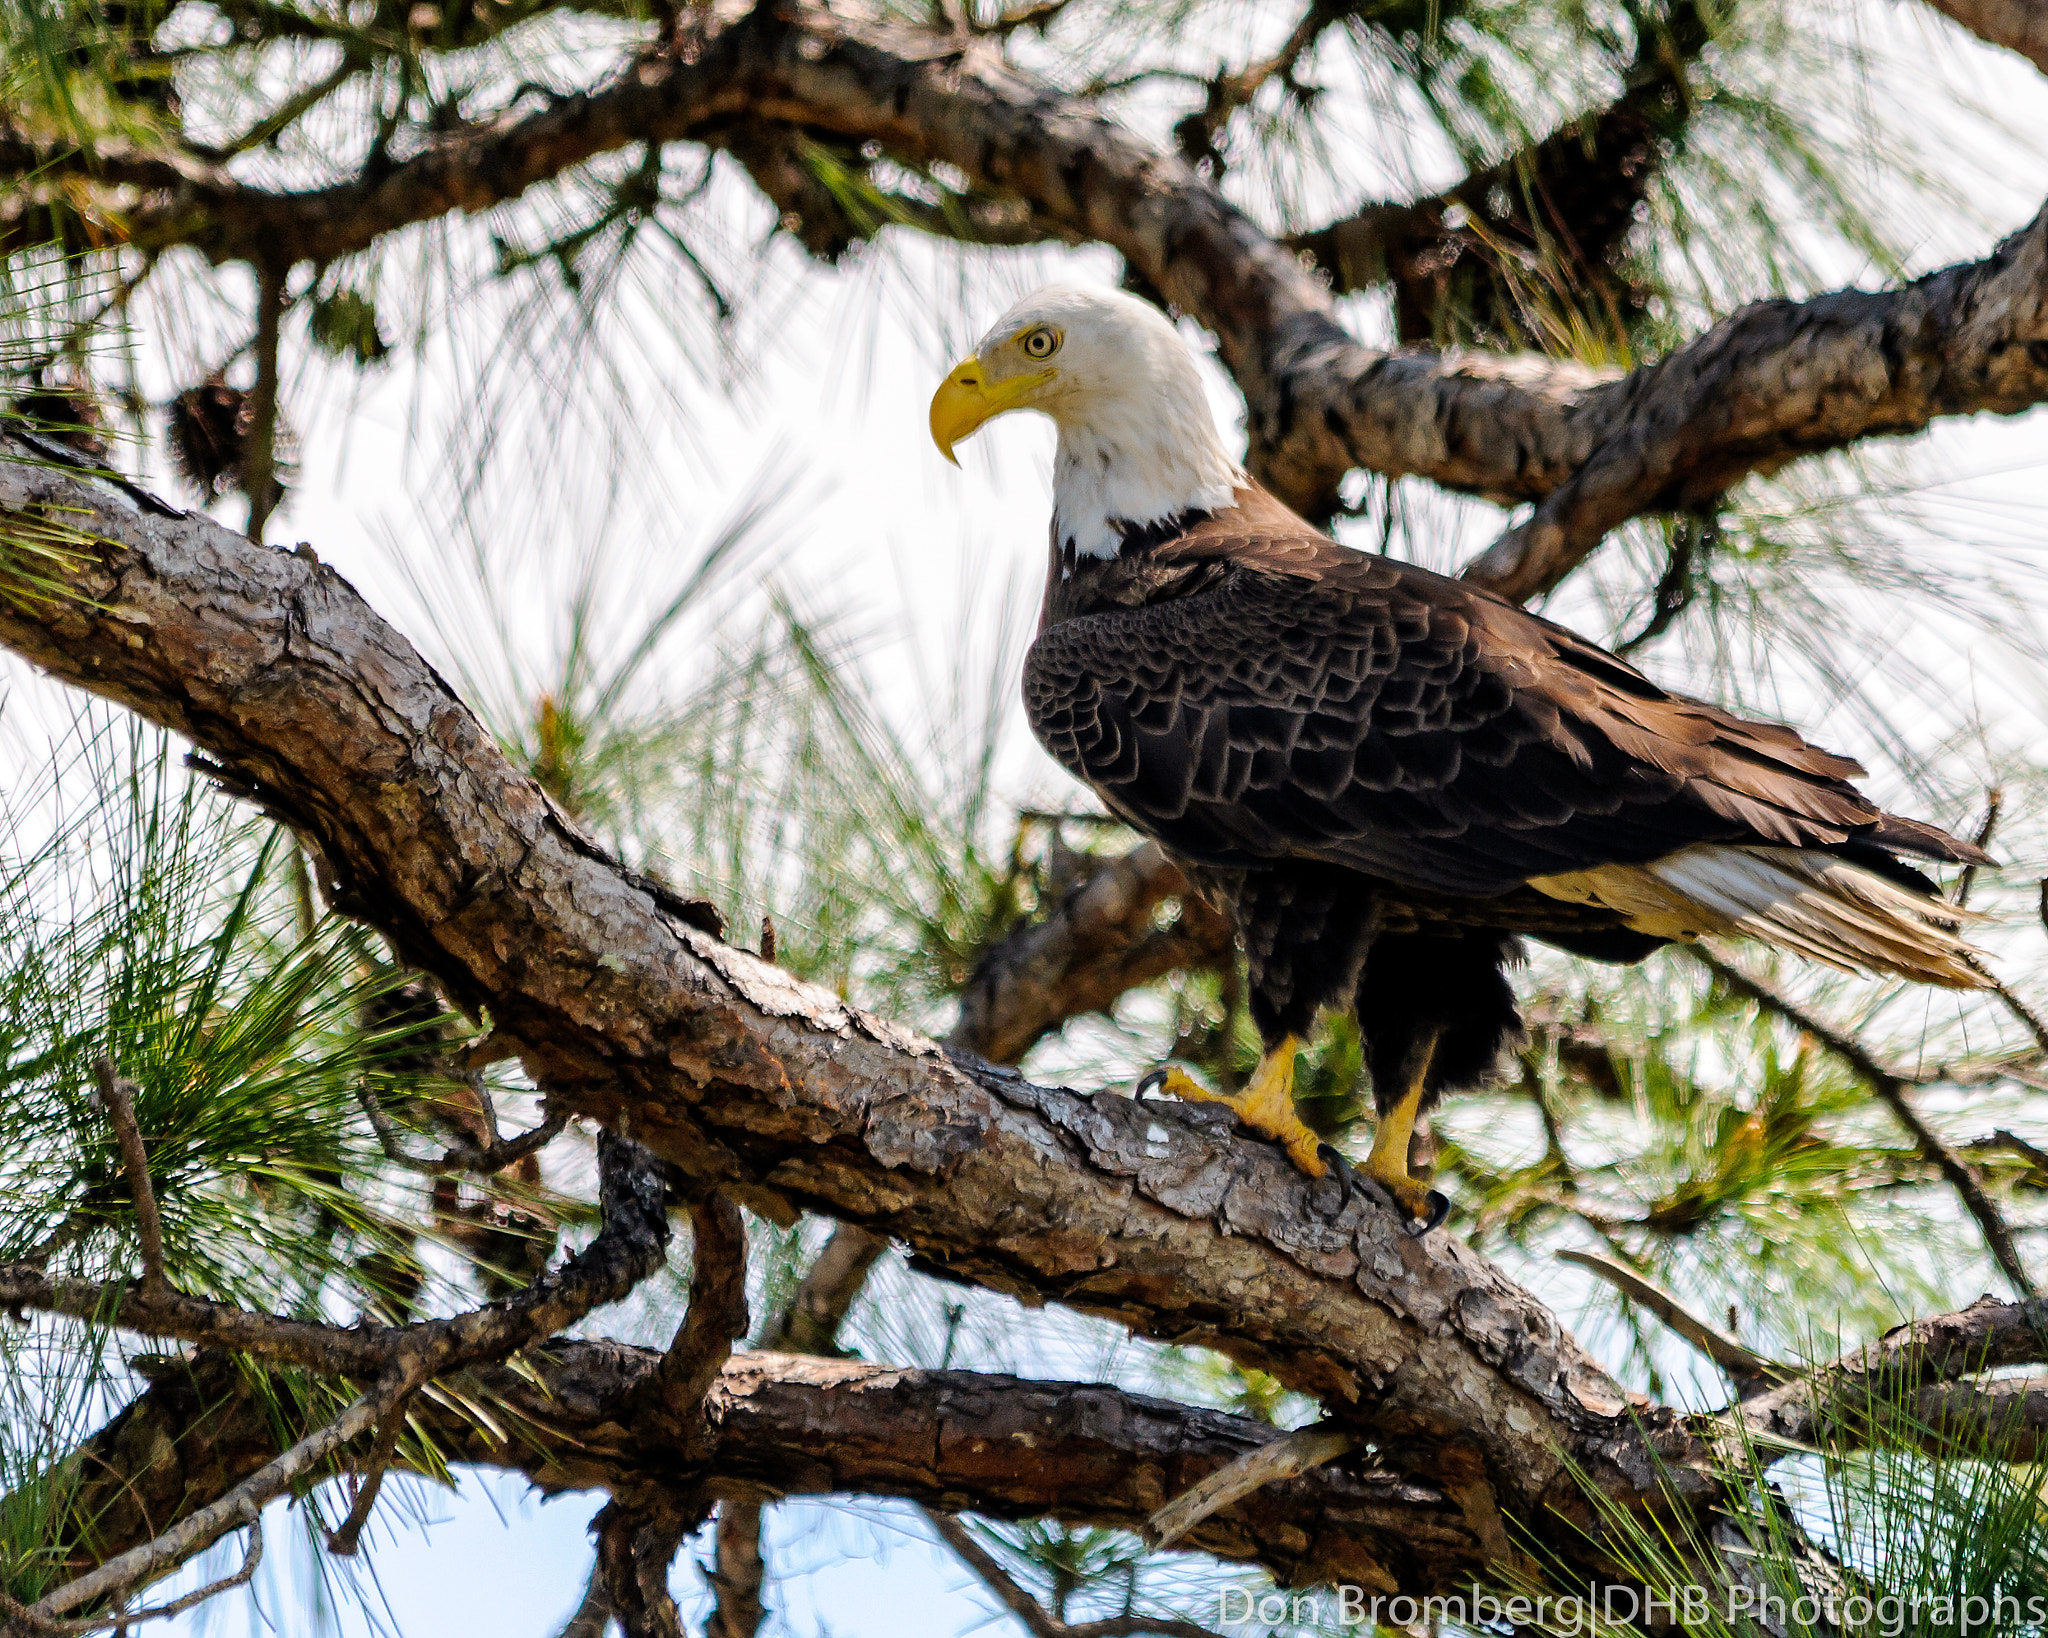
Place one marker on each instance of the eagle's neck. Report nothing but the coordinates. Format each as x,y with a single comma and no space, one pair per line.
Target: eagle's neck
1127,468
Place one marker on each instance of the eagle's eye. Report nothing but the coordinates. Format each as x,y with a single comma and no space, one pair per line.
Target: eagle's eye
1040,343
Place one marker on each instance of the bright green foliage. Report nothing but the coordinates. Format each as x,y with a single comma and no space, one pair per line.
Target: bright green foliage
134,928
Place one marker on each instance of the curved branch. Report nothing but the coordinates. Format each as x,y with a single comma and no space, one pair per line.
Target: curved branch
1099,941
1148,1213
1773,382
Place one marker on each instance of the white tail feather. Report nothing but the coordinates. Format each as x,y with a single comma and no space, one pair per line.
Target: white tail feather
1816,904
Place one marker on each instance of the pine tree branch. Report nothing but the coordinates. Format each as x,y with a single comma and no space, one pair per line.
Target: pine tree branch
783,1425
1895,1092
1904,1383
1085,1453
1771,383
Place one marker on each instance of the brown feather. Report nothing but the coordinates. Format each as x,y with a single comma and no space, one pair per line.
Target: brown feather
1249,691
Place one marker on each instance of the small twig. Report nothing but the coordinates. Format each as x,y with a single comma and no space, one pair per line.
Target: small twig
2035,1025
1891,1088
199,1530
118,1097
1692,538
1285,1458
40,1624
259,459
1019,1602
1994,804
342,1542
1749,1370
482,1161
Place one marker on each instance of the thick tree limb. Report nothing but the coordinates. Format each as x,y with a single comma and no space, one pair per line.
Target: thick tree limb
1773,382
1918,1366
784,1425
1149,1214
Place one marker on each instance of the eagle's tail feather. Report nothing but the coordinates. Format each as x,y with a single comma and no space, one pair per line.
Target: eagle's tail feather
1817,904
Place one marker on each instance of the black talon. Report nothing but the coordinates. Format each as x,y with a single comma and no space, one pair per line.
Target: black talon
1439,1205
1153,1080
1347,1178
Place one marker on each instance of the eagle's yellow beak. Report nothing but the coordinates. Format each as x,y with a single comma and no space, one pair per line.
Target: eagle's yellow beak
967,398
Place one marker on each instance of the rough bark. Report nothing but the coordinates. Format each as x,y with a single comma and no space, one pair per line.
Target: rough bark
786,1425
1771,383
574,1415
1156,1216
1906,1366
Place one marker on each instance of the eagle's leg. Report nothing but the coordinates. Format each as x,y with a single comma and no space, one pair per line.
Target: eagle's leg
1266,1105
1387,1165
1435,1009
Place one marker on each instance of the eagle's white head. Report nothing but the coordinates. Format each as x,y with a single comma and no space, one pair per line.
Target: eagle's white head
1137,443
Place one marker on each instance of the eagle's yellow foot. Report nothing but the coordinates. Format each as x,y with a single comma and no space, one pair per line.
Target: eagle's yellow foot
1266,1105
1387,1165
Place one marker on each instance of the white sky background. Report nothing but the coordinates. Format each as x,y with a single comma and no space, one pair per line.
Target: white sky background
823,394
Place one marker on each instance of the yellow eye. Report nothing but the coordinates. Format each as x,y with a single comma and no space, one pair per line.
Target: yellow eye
1041,343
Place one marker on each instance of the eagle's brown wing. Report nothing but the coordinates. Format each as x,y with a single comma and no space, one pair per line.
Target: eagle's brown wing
1319,702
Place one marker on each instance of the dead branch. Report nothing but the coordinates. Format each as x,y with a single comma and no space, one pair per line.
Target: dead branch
1749,1370
1295,1453
118,1096
199,1529
23,1621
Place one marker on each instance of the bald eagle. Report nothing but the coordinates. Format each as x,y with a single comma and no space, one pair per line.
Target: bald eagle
1386,775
